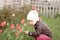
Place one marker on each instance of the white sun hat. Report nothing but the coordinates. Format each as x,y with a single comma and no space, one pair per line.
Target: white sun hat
33,15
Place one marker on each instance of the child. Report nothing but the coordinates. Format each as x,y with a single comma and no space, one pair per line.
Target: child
42,32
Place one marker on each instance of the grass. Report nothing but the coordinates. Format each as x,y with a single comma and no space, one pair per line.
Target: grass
54,24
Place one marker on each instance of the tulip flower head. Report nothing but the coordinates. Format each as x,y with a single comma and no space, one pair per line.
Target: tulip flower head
18,27
3,23
12,26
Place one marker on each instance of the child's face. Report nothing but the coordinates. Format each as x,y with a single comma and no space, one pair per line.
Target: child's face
32,23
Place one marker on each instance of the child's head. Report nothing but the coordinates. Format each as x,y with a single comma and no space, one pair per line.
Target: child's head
32,17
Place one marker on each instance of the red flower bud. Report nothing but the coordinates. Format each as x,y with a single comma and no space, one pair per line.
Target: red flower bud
23,21
18,27
16,34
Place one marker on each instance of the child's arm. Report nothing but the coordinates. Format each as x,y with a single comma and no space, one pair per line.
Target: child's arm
36,33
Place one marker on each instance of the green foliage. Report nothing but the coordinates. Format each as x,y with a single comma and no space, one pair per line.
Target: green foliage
9,34
54,24
57,15
6,15
7,12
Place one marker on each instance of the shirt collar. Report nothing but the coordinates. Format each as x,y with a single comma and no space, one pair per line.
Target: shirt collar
37,23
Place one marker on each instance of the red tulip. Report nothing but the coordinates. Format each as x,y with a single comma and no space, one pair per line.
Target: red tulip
19,28
3,23
12,26
16,34
0,30
23,21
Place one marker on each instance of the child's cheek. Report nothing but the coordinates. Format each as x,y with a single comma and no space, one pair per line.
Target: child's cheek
30,23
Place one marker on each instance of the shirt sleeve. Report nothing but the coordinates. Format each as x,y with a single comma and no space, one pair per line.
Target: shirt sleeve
36,33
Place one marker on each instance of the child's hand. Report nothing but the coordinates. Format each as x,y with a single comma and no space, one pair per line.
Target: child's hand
26,32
